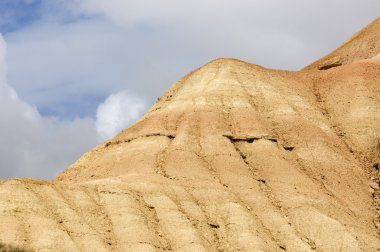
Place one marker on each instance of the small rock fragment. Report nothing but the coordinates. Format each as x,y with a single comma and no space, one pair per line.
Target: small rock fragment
330,63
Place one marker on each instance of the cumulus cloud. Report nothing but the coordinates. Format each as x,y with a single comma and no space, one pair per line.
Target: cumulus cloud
32,145
117,112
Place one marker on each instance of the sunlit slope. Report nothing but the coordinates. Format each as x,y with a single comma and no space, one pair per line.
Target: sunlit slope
233,157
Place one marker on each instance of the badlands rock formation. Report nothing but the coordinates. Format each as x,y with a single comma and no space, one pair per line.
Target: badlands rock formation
233,157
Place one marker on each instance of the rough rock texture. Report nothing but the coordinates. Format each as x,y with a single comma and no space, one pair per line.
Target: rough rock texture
233,157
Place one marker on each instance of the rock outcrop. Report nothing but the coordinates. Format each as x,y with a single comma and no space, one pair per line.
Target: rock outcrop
233,157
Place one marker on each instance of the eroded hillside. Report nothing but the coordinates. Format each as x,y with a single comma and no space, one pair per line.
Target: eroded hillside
233,157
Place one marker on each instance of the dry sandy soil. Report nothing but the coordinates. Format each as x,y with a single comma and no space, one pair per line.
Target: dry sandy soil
233,157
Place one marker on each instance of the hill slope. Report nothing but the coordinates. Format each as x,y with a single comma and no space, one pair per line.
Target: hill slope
365,44
232,157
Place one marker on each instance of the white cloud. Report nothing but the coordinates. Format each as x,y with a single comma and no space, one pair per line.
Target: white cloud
32,145
118,112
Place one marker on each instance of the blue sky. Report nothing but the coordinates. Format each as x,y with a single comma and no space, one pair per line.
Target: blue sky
17,13
70,66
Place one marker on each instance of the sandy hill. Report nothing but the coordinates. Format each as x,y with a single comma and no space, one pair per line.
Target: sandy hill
233,157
